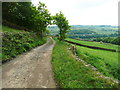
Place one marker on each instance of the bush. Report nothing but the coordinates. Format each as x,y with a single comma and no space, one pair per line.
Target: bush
17,43
27,46
111,40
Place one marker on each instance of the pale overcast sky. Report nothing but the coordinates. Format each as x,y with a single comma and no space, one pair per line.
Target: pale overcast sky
85,12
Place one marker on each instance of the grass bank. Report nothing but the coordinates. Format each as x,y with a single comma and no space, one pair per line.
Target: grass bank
70,73
105,61
15,42
8,29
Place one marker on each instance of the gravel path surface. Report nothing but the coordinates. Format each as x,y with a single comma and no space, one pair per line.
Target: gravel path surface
30,70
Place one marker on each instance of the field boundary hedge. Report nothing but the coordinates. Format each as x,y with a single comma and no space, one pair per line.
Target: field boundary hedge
93,47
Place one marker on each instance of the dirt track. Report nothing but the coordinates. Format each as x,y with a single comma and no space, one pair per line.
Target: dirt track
30,70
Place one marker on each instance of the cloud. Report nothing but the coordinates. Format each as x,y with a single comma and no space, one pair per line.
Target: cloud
86,12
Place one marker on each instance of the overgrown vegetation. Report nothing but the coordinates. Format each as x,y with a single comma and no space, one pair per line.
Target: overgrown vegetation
15,43
70,73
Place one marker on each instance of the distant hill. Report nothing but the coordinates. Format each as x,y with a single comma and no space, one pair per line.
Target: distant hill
88,31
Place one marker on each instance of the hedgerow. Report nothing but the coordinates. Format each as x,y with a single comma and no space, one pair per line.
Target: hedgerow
17,43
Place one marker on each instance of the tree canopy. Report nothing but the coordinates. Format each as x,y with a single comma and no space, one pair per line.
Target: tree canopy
26,15
35,19
62,23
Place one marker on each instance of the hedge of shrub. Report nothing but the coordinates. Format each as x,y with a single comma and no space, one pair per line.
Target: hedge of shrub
17,43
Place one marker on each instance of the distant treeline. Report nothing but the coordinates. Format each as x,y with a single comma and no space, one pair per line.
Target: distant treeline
112,40
88,32
91,36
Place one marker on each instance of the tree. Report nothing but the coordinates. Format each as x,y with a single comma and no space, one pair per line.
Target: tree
62,23
42,19
23,14
26,15
18,13
8,11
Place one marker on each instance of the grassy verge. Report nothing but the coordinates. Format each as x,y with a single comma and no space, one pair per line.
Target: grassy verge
16,42
96,44
105,61
7,29
70,73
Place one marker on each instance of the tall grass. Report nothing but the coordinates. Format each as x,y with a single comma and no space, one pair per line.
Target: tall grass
70,73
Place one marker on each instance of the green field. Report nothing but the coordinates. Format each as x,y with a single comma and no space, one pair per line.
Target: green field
70,73
105,61
96,44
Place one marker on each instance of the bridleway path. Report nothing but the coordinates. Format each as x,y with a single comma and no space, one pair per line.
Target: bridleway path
30,70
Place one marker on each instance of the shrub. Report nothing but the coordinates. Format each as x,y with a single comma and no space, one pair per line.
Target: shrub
17,43
27,46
